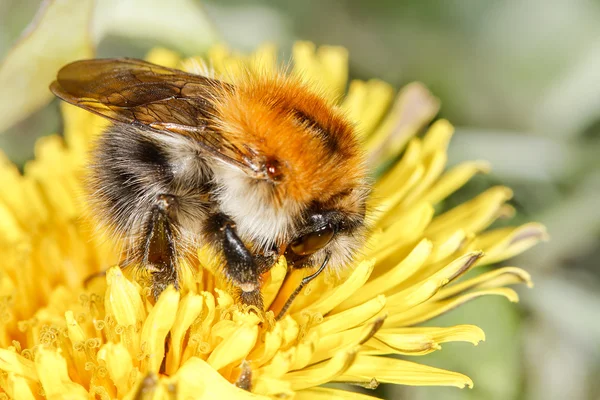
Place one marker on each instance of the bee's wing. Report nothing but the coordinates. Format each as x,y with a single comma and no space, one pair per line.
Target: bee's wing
138,92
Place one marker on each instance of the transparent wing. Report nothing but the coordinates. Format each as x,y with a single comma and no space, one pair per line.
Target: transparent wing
138,92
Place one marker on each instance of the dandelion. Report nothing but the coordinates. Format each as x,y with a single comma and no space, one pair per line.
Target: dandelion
61,339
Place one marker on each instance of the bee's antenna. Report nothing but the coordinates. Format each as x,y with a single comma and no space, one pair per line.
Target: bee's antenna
303,283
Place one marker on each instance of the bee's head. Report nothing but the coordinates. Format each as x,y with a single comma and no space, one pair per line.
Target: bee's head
334,228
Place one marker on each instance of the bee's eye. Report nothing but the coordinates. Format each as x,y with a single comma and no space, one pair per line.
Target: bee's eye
312,242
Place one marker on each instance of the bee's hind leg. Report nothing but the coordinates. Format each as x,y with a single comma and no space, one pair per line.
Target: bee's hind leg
157,252
159,247
240,265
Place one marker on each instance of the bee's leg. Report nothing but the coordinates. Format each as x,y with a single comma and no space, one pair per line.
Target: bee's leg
251,298
159,251
240,266
305,281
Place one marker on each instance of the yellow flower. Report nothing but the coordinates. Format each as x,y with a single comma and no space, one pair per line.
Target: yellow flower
61,340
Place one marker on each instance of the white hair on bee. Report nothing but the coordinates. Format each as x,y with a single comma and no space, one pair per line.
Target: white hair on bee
250,204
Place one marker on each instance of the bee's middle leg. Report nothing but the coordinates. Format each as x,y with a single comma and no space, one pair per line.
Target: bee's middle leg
240,265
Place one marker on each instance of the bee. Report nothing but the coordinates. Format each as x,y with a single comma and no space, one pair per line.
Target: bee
256,168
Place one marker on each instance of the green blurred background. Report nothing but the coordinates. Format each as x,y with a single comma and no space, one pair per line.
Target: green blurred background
520,79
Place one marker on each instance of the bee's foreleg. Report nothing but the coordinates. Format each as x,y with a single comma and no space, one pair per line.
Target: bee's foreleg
240,266
159,251
305,281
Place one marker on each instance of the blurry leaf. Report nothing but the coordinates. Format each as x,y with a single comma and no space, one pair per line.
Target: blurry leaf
58,34
510,153
179,24
570,103
573,223
67,30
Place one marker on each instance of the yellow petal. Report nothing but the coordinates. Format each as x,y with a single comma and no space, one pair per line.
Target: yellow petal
263,352
305,61
147,388
78,339
24,191
218,56
291,330
437,137
414,107
496,278
15,363
321,69
278,366
391,370
366,103
392,181
119,365
321,373
406,227
272,387
351,316
427,311
472,216
434,166
196,379
429,285
334,64
330,300
189,309
234,348
52,371
446,246
304,351
459,333
503,243
385,206
404,344
453,180
48,171
123,299
157,325
199,336
319,393
209,302
224,299
80,128
420,340
330,345
10,230
222,330
392,278
19,388
274,281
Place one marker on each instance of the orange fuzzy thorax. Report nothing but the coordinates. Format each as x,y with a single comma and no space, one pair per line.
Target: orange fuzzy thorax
314,147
